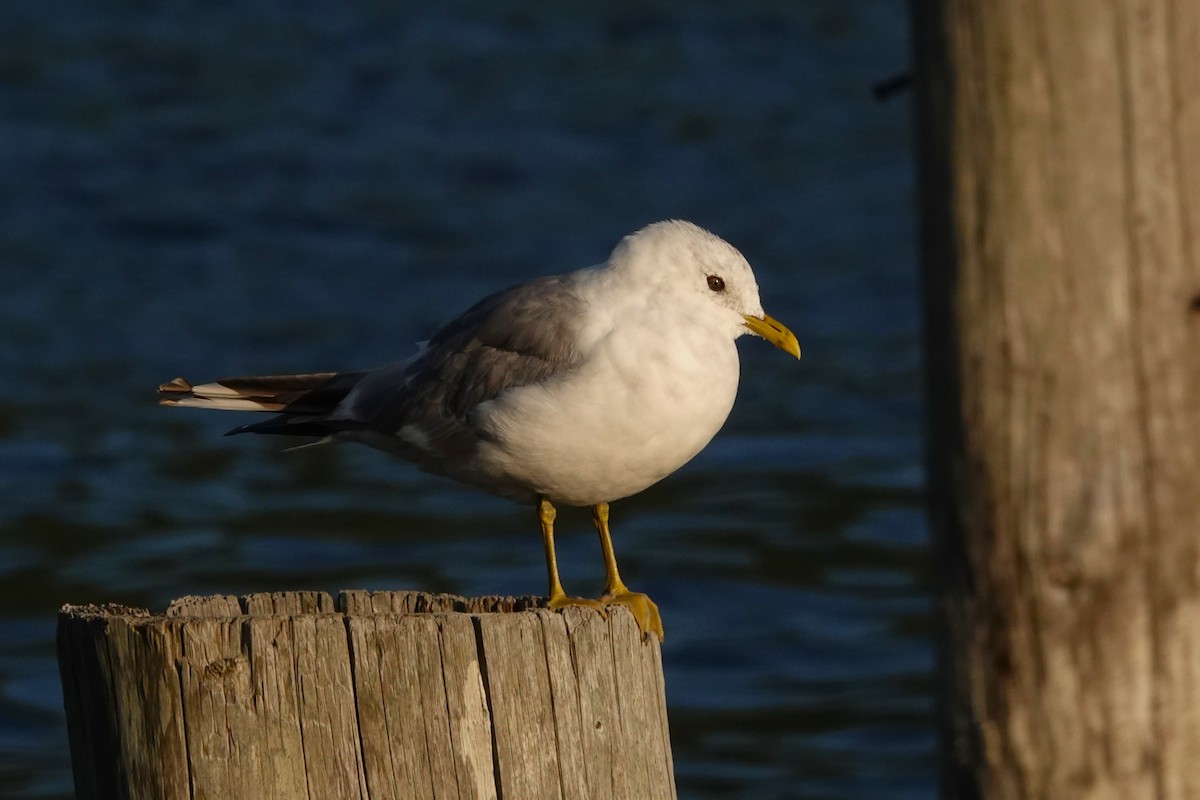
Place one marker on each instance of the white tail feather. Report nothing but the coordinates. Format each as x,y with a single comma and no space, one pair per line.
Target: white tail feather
223,403
179,392
311,393
215,390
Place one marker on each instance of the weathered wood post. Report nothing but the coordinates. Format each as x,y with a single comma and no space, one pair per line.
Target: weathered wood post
1060,177
380,695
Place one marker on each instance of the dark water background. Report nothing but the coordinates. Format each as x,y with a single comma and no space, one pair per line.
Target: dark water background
217,188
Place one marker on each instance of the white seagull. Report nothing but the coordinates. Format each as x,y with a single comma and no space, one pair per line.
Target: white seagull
579,389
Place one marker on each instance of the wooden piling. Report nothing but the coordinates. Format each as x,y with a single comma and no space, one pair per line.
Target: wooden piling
400,695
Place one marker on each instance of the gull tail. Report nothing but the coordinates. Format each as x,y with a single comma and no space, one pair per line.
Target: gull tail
303,402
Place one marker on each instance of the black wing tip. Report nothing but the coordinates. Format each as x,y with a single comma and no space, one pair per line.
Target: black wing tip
296,425
273,425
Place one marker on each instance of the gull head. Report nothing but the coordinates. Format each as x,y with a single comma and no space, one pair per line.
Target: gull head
686,264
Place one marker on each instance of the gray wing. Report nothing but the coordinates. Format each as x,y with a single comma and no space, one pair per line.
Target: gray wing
520,336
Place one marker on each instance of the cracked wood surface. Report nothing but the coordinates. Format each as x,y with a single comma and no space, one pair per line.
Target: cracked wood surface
374,695
1060,177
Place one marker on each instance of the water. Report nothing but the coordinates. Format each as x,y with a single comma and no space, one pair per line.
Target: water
218,188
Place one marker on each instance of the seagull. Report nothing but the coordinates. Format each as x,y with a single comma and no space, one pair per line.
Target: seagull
577,389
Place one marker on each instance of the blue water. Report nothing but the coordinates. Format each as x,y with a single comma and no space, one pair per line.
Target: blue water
206,189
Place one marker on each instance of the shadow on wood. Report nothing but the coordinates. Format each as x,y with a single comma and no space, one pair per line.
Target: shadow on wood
379,695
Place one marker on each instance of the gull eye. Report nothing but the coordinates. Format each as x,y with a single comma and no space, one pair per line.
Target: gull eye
716,283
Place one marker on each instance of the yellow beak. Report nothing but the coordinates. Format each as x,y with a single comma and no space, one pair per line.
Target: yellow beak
774,332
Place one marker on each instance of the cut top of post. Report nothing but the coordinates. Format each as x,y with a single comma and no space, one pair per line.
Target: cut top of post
376,694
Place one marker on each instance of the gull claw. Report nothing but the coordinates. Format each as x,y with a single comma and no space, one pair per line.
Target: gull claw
564,601
645,610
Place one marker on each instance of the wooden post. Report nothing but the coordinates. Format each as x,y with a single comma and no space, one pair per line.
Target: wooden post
382,695
1060,189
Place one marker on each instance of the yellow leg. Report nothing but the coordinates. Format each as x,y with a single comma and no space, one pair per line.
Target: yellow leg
558,598
644,609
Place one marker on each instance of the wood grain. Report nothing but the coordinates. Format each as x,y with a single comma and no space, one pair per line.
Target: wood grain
374,695
1060,186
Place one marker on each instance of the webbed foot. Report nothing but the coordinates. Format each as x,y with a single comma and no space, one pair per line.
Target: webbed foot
645,611
561,601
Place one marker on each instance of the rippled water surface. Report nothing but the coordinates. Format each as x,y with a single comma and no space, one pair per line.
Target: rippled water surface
220,188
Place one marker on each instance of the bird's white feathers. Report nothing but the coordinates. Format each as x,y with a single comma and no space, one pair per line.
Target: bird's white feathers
584,388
